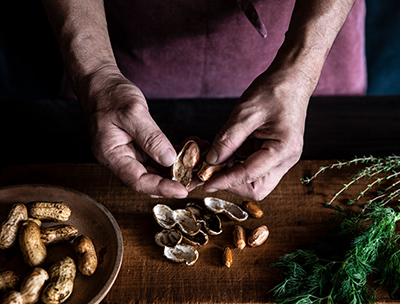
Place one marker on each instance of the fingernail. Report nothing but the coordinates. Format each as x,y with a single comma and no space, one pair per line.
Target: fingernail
211,190
212,157
199,185
167,158
180,196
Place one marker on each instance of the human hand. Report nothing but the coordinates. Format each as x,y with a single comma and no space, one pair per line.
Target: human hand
127,140
266,128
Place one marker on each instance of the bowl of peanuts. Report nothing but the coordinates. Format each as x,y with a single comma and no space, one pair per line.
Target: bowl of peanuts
57,245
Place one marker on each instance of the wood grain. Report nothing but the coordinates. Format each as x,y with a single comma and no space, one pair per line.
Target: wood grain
292,212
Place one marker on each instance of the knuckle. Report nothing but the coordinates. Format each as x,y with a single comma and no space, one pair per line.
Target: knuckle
225,140
131,111
239,176
153,141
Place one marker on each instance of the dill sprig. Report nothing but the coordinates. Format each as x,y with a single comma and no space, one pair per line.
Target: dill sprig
336,269
361,254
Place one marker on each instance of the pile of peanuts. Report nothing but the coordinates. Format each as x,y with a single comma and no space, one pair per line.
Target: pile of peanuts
23,226
257,237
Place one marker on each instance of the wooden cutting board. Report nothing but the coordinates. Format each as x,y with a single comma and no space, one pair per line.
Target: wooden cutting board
293,213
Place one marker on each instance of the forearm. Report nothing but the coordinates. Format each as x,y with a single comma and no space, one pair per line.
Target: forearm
81,31
313,29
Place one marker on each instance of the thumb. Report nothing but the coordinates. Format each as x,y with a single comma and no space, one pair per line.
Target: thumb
151,139
232,135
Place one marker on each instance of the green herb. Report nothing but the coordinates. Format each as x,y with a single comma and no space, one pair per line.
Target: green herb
375,169
361,254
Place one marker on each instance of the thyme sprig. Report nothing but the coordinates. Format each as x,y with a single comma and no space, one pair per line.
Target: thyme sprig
361,254
377,169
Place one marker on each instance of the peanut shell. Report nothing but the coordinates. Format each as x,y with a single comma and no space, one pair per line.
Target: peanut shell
10,227
62,275
50,211
33,250
9,280
86,253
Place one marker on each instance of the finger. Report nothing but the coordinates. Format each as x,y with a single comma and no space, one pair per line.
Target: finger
262,187
235,132
122,162
273,153
139,124
252,169
196,182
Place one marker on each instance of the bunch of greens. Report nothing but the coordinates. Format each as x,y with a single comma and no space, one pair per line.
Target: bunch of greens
361,254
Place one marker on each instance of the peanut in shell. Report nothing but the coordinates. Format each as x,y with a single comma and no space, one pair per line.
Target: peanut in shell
10,227
31,288
58,234
86,253
33,250
9,280
61,283
50,211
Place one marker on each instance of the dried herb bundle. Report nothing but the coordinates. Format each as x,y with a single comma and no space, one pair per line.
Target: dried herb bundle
360,255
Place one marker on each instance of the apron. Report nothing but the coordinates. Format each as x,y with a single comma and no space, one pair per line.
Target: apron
209,49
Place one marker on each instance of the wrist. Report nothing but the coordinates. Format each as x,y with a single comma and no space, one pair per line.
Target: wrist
91,88
301,64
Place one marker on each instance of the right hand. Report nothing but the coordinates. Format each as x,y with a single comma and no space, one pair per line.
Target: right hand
126,139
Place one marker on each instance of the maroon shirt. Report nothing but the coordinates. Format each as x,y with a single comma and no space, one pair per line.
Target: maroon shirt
208,48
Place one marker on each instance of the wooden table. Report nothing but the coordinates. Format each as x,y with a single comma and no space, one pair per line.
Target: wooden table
336,128
293,213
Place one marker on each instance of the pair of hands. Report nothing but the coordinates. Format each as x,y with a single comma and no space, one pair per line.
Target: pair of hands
265,128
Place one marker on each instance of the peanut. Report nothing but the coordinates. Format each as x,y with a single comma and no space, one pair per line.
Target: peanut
38,222
50,211
62,276
239,237
253,209
58,234
33,250
186,161
227,257
191,155
258,236
207,171
13,297
10,227
30,288
9,279
33,284
87,258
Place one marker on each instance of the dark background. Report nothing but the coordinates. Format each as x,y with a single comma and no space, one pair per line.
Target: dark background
31,67
37,126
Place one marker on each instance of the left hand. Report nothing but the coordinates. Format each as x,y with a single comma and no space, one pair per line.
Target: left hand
267,124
